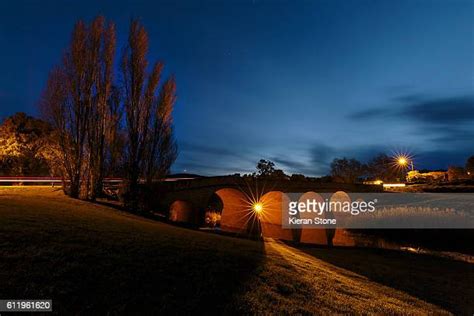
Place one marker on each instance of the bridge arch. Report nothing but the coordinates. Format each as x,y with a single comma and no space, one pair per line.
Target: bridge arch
236,211
312,235
339,235
211,217
182,211
271,216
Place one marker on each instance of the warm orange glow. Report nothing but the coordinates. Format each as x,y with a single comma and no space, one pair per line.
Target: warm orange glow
257,207
402,161
393,185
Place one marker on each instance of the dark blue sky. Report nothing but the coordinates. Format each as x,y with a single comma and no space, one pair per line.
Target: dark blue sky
297,82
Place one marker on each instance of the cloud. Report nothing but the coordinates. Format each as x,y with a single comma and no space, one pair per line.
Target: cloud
451,135
205,169
441,126
442,159
369,114
321,157
213,159
446,111
205,149
441,111
409,98
293,166
446,123
323,154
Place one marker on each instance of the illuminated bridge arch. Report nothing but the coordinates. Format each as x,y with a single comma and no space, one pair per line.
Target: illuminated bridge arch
222,198
312,235
328,236
236,213
271,216
182,212
239,217
340,236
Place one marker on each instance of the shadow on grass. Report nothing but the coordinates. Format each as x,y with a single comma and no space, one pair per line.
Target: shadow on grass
91,264
445,283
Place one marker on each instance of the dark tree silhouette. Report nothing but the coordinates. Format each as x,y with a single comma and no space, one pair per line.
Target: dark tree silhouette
381,168
456,173
161,147
86,109
102,118
265,167
145,115
346,170
74,102
470,166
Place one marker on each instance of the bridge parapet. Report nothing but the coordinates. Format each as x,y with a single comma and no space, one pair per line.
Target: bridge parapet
264,185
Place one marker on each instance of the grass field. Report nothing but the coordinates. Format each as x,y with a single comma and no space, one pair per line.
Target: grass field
89,259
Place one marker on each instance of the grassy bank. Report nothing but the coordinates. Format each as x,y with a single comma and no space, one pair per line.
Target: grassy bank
89,258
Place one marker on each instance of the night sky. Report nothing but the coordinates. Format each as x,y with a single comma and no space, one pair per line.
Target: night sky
297,82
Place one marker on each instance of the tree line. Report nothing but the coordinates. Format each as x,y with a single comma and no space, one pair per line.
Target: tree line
350,170
383,167
107,117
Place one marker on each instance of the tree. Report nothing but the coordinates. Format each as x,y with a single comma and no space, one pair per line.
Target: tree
265,167
162,149
456,173
297,177
115,136
102,118
381,168
470,166
86,110
25,146
145,114
74,103
414,176
346,170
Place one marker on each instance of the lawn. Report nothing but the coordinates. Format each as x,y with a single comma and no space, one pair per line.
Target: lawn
90,258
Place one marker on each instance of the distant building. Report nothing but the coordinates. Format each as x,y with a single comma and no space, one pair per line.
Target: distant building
416,176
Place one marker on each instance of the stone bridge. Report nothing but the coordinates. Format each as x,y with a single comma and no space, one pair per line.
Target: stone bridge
232,199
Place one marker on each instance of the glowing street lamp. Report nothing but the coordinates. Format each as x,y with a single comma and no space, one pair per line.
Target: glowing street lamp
257,208
403,161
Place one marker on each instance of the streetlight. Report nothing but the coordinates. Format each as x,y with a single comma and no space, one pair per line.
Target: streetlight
403,161
257,207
